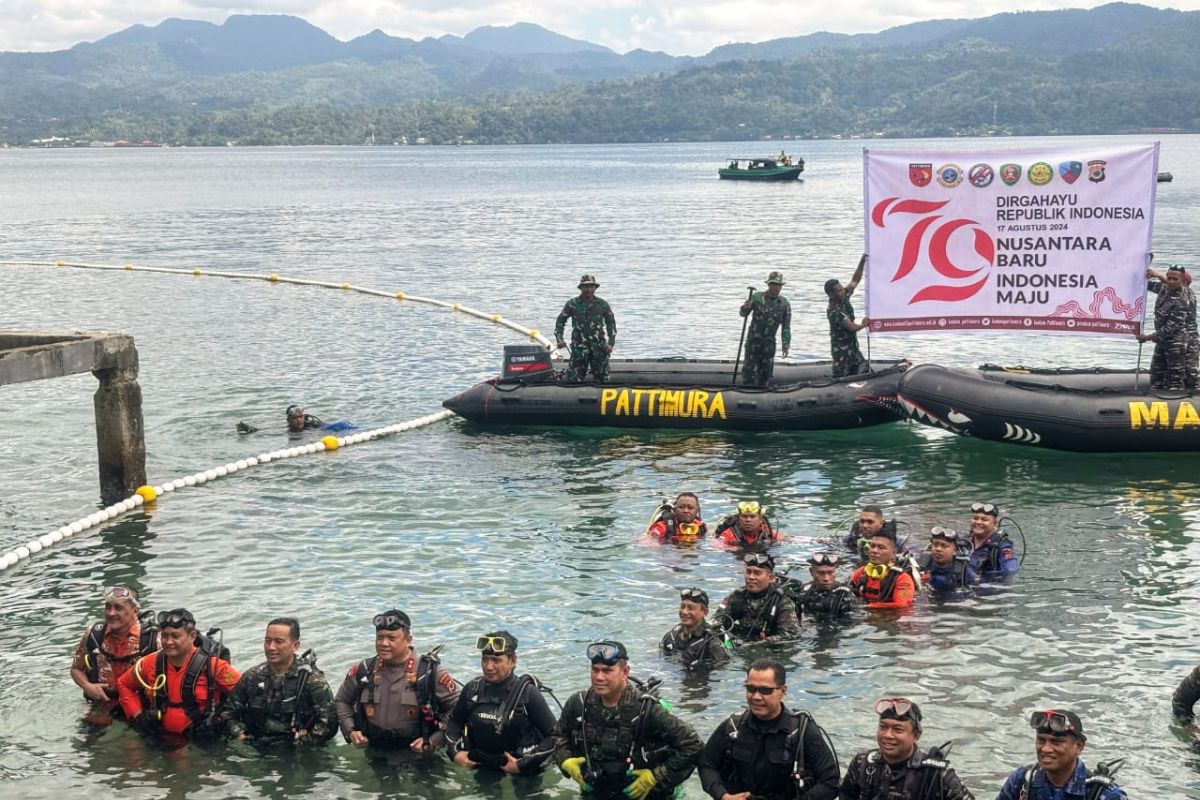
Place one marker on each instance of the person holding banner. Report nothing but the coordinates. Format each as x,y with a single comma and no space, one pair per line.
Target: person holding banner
843,330
1174,317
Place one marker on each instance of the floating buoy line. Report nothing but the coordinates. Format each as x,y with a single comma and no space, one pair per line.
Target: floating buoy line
151,493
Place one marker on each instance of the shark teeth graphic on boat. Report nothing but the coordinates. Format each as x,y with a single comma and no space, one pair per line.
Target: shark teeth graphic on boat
1020,435
919,413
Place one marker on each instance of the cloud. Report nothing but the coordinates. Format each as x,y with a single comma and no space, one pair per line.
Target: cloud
675,26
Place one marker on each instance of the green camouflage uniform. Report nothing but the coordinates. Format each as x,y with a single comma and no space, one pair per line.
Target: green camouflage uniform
608,735
589,323
847,358
769,616
769,316
1174,320
262,706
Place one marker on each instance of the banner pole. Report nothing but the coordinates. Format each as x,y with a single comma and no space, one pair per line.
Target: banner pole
1137,373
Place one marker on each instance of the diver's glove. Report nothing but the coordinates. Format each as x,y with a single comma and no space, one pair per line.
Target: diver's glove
147,722
573,769
643,782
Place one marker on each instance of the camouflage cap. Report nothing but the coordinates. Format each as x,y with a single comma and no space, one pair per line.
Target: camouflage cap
587,280
775,277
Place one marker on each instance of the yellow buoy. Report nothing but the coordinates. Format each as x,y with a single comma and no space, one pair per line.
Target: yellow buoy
330,442
147,492
274,277
197,271
399,295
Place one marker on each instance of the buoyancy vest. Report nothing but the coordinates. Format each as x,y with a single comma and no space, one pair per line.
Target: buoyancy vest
744,746
94,648
367,675
958,568
763,621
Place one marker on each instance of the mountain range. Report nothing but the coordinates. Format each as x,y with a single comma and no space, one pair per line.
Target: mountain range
186,75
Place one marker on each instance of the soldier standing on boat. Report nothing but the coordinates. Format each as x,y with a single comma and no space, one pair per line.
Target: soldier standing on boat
771,312
593,333
843,330
1174,315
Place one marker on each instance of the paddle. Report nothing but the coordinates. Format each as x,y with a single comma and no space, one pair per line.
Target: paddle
745,320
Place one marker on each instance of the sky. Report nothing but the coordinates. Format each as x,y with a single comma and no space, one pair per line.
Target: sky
679,27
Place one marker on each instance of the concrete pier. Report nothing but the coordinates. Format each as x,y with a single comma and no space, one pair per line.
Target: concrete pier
113,359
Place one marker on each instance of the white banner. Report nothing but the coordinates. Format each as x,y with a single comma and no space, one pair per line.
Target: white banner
1049,240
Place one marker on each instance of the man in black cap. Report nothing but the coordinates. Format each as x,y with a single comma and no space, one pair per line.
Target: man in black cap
843,330
767,750
501,720
395,700
617,740
760,611
694,640
593,333
1060,773
897,769
772,312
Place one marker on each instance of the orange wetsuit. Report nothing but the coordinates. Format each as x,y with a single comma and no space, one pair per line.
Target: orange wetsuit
169,699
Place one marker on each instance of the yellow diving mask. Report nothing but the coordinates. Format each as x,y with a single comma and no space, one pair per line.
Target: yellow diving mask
688,530
749,507
876,571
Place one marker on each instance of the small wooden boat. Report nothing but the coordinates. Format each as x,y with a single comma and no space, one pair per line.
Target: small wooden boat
762,169
1083,410
689,393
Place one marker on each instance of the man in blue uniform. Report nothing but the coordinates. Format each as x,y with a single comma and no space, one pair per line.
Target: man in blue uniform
993,556
1060,773
946,566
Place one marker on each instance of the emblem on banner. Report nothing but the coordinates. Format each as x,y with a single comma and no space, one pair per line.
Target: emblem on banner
1096,170
1010,173
927,241
1040,173
1070,171
920,174
950,175
980,175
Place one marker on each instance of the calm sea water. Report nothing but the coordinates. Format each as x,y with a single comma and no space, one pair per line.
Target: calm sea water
470,529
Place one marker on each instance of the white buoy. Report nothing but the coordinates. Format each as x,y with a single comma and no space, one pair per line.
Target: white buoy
34,547
252,462
219,472
242,463
22,552
190,480
169,486
179,483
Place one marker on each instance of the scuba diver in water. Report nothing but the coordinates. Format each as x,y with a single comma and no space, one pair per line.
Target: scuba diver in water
824,598
897,769
108,649
1059,771
501,721
871,519
946,566
993,555
760,611
885,581
695,640
749,527
299,422
678,521
617,740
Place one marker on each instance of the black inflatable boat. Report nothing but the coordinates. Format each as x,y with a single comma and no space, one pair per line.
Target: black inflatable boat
1084,410
688,393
